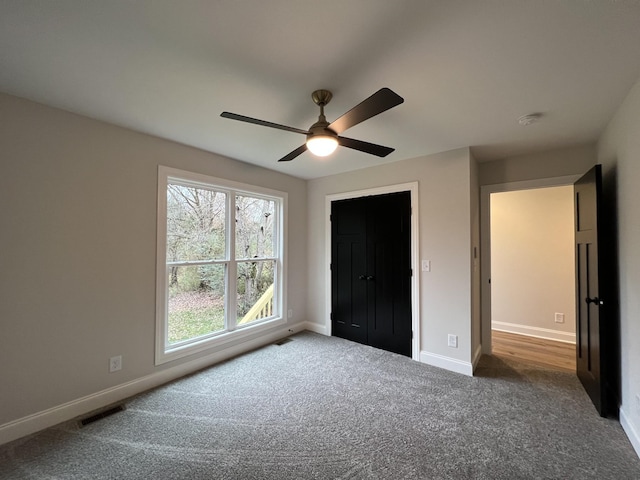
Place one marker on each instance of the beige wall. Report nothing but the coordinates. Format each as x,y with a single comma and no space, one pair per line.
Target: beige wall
532,262
445,233
619,153
553,163
77,251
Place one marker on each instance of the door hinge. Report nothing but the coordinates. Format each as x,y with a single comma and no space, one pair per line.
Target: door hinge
331,316
411,272
411,334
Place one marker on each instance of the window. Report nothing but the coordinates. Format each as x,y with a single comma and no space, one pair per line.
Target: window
220,261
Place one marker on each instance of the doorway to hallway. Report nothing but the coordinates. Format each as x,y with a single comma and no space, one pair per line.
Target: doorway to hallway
533,266
539,317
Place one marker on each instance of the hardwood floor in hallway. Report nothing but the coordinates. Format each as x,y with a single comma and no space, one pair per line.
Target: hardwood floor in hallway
547,353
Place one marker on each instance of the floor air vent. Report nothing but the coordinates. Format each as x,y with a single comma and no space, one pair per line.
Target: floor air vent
99,416
283,341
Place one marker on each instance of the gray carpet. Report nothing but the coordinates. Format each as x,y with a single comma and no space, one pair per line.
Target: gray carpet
323,408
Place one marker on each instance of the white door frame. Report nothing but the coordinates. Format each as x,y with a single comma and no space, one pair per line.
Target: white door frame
485,240
411,187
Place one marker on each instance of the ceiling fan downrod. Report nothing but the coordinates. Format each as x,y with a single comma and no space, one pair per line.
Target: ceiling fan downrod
321,98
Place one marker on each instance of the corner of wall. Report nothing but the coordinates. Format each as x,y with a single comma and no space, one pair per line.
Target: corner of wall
448,363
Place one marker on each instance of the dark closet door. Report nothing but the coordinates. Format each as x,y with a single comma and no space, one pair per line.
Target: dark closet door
371,271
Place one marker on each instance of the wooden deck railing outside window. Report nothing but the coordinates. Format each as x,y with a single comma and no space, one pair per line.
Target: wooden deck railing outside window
263,308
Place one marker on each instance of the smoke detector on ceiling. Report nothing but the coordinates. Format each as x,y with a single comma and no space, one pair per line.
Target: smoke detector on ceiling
529,118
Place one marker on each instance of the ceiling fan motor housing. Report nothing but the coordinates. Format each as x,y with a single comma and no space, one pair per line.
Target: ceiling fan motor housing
321,128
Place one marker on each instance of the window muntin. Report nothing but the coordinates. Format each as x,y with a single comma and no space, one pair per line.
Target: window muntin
220,261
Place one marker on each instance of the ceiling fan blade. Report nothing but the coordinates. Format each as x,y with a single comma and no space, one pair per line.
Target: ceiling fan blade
290,156
379,102
366,147
264,123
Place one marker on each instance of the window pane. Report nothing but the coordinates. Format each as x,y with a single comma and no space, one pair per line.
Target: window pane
255,291
196,301
254,227
195,224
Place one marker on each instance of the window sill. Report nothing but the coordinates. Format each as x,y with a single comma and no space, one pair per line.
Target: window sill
210,344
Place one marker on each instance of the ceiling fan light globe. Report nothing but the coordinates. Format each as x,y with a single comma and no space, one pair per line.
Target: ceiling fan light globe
322,145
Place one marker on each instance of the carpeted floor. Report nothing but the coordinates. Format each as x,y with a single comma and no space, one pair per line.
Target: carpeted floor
324,408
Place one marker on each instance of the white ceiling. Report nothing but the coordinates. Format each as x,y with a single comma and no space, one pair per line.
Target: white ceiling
466,68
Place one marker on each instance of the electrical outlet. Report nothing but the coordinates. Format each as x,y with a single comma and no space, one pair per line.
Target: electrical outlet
559,318
453,341
115,364
426,265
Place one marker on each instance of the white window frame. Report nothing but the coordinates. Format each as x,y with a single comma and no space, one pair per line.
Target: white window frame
165,352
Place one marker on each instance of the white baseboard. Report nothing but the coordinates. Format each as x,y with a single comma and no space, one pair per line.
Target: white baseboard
47,418
631,431
447,363
316,327
537,332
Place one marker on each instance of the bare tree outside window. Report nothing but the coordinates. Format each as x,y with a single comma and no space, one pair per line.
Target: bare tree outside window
195,233
254,240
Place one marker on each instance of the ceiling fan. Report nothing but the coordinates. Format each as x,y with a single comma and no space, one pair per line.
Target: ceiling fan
324,137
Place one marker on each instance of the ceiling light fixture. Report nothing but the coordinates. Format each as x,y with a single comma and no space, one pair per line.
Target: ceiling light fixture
529,118
322,145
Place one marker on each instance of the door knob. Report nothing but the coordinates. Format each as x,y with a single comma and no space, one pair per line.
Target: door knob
594,300
362,277
371,277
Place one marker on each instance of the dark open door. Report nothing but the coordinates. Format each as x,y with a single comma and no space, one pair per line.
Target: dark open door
594,344
371,271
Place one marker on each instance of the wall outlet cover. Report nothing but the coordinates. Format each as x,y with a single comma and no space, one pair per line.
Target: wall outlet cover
453,341
559,318
115,363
